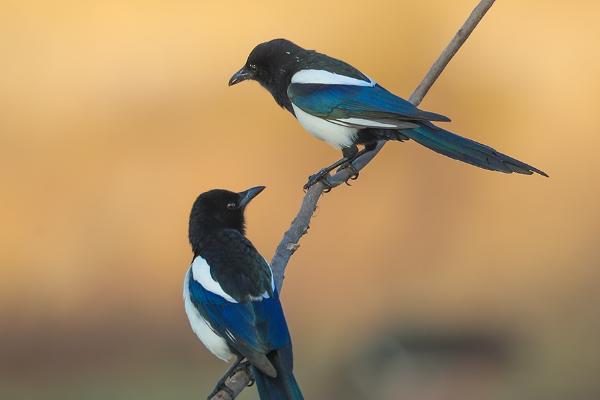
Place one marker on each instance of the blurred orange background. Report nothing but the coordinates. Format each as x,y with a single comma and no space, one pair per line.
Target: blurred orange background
114,116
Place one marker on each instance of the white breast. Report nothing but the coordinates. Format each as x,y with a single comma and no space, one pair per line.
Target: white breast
213,342
336,135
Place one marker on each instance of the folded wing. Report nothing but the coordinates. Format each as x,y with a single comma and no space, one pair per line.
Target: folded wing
358,106
252,328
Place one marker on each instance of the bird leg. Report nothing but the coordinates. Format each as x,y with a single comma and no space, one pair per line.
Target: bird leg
235,367
349,155
323,174
370,146
354,175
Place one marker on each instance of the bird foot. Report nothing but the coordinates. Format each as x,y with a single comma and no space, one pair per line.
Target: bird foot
245,365
321,176
222,386
353,170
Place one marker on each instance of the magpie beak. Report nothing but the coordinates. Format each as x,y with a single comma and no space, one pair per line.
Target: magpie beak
248,195
242,75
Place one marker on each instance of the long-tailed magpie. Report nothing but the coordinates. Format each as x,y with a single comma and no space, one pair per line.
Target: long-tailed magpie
337,103
230,297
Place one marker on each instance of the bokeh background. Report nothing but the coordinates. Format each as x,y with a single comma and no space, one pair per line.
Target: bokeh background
427,279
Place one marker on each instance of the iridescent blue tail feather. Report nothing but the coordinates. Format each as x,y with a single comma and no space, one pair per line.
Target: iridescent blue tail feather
467,150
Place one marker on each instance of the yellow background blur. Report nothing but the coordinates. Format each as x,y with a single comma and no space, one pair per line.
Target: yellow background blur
114,116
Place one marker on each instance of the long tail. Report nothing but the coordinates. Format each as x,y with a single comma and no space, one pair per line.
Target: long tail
282,387
466,150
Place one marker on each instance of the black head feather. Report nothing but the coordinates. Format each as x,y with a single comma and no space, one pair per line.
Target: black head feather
218,210
272,64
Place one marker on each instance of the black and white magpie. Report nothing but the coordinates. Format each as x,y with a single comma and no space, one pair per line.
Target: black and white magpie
230,297
337,103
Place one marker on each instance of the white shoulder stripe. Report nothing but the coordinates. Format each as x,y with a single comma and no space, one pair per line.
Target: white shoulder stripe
328,78
272,277
366,122
265,294
201,274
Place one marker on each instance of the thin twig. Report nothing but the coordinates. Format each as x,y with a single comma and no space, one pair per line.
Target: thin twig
290,242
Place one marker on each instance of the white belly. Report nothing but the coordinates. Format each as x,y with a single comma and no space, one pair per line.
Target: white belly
336,135
202,329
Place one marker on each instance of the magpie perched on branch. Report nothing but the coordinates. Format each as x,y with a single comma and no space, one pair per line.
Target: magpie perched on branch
230,297
337,103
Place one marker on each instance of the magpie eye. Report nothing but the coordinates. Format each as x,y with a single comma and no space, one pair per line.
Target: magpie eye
252,67
231,206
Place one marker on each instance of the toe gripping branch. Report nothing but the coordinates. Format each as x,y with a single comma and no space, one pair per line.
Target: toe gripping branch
350,155
354,175
240,364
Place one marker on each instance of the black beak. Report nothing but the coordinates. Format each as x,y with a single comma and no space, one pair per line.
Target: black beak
240,76
249,194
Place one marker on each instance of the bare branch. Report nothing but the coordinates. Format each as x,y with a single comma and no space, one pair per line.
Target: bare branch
290,242
457,41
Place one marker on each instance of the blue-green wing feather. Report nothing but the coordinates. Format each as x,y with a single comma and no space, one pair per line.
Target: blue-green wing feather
335,102
253,328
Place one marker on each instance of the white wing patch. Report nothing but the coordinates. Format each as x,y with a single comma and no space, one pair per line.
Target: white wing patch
201,274
213,342
328,78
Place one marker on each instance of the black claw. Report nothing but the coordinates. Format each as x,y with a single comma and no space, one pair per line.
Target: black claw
250,375
354,175
321,176
246,365
354,171
327,184
311,181
240,367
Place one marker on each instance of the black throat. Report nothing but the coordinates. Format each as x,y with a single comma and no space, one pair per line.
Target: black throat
279,77
278,89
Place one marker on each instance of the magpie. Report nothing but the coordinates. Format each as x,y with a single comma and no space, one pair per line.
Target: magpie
340,105
230,297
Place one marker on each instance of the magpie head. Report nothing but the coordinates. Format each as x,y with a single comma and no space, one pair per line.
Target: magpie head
272,64
219,209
